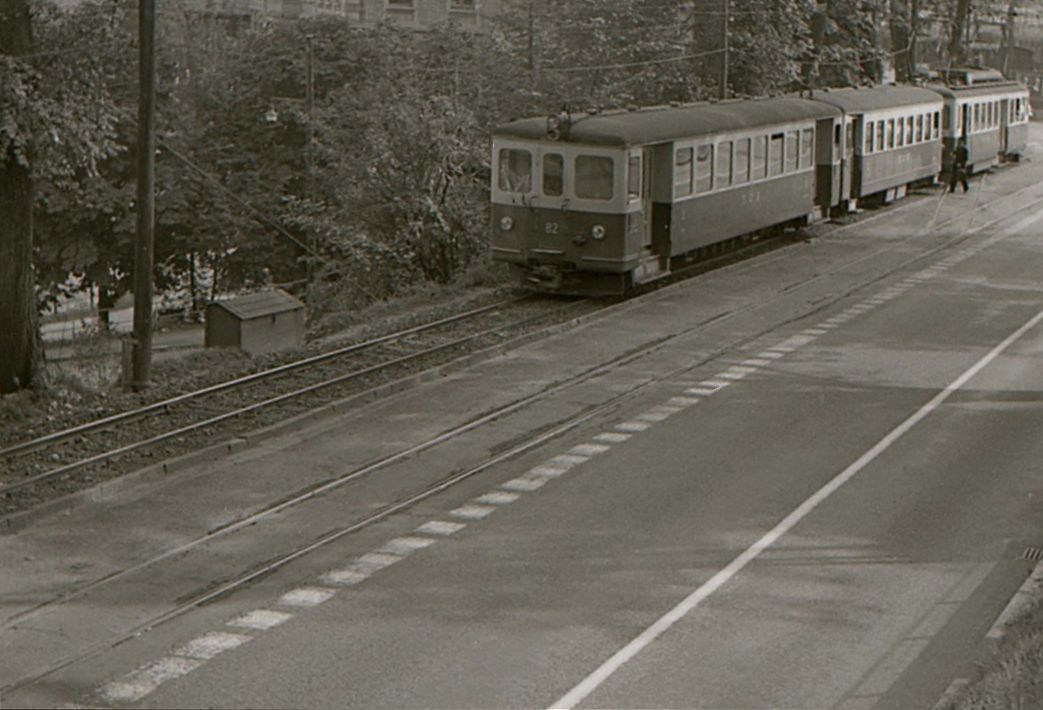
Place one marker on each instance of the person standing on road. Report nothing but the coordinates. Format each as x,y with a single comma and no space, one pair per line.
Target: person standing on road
959,165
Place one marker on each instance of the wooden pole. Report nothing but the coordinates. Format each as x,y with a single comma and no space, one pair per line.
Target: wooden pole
141,358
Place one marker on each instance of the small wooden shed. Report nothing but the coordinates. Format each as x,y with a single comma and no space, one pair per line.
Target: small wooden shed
256,323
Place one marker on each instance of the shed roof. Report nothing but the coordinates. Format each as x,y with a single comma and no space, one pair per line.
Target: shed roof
853,100
262,303
661,124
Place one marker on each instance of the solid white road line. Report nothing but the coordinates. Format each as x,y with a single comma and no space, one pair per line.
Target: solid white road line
589,684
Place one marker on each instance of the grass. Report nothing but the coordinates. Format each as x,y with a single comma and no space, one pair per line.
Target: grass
1012,677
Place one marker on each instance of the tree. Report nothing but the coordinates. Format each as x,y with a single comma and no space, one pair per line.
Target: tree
55,120
19,339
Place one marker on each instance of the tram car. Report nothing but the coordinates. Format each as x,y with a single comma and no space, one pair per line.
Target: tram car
596,203
892,139
989,112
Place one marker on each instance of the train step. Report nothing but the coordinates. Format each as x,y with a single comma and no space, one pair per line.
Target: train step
650,269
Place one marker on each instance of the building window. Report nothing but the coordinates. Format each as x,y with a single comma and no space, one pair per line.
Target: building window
463,5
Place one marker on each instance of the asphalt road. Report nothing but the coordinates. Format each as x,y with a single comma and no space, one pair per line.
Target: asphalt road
817,499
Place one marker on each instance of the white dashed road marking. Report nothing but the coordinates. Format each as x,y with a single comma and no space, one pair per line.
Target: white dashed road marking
260,619
440,527
525,484
473,512
497,498
137,684
613,437
209,645
701,593
633,426
405,545
306,596
588,449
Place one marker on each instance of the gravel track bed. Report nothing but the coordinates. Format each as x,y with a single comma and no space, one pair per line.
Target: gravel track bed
494,327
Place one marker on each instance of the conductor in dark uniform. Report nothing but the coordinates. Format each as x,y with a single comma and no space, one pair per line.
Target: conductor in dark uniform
959,165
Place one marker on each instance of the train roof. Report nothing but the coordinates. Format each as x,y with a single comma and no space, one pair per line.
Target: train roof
852,100
662,124
984,89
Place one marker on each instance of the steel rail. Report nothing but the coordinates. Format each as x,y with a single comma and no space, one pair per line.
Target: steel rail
64,434
211,421
412,499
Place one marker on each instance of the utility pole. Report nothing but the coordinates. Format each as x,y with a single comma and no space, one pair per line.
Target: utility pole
309,106
724,59
914,32
1008,37
957,48
141,353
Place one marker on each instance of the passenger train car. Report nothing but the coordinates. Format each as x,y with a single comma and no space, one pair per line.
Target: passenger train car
596,203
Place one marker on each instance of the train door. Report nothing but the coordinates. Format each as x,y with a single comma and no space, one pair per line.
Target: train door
1004,124
827,185
851,134
639,189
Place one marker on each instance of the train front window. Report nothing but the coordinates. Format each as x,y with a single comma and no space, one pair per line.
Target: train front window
553,174
594,177
515,170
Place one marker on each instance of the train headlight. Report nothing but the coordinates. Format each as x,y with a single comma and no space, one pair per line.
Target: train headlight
506,223
597,232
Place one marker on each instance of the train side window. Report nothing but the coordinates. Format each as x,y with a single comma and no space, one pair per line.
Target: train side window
704,168
723,164
908,130
899,133
741,166
683,172
890,133
880,127
869,135
919,128
792,150
634,177
759,158
977,118
937,125
594,177
775,155
553,174
515,170
806,141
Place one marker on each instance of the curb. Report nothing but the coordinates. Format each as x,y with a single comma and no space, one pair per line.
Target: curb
1030,590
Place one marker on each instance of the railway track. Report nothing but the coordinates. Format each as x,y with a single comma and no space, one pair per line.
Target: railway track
186,603
189,420
76,457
